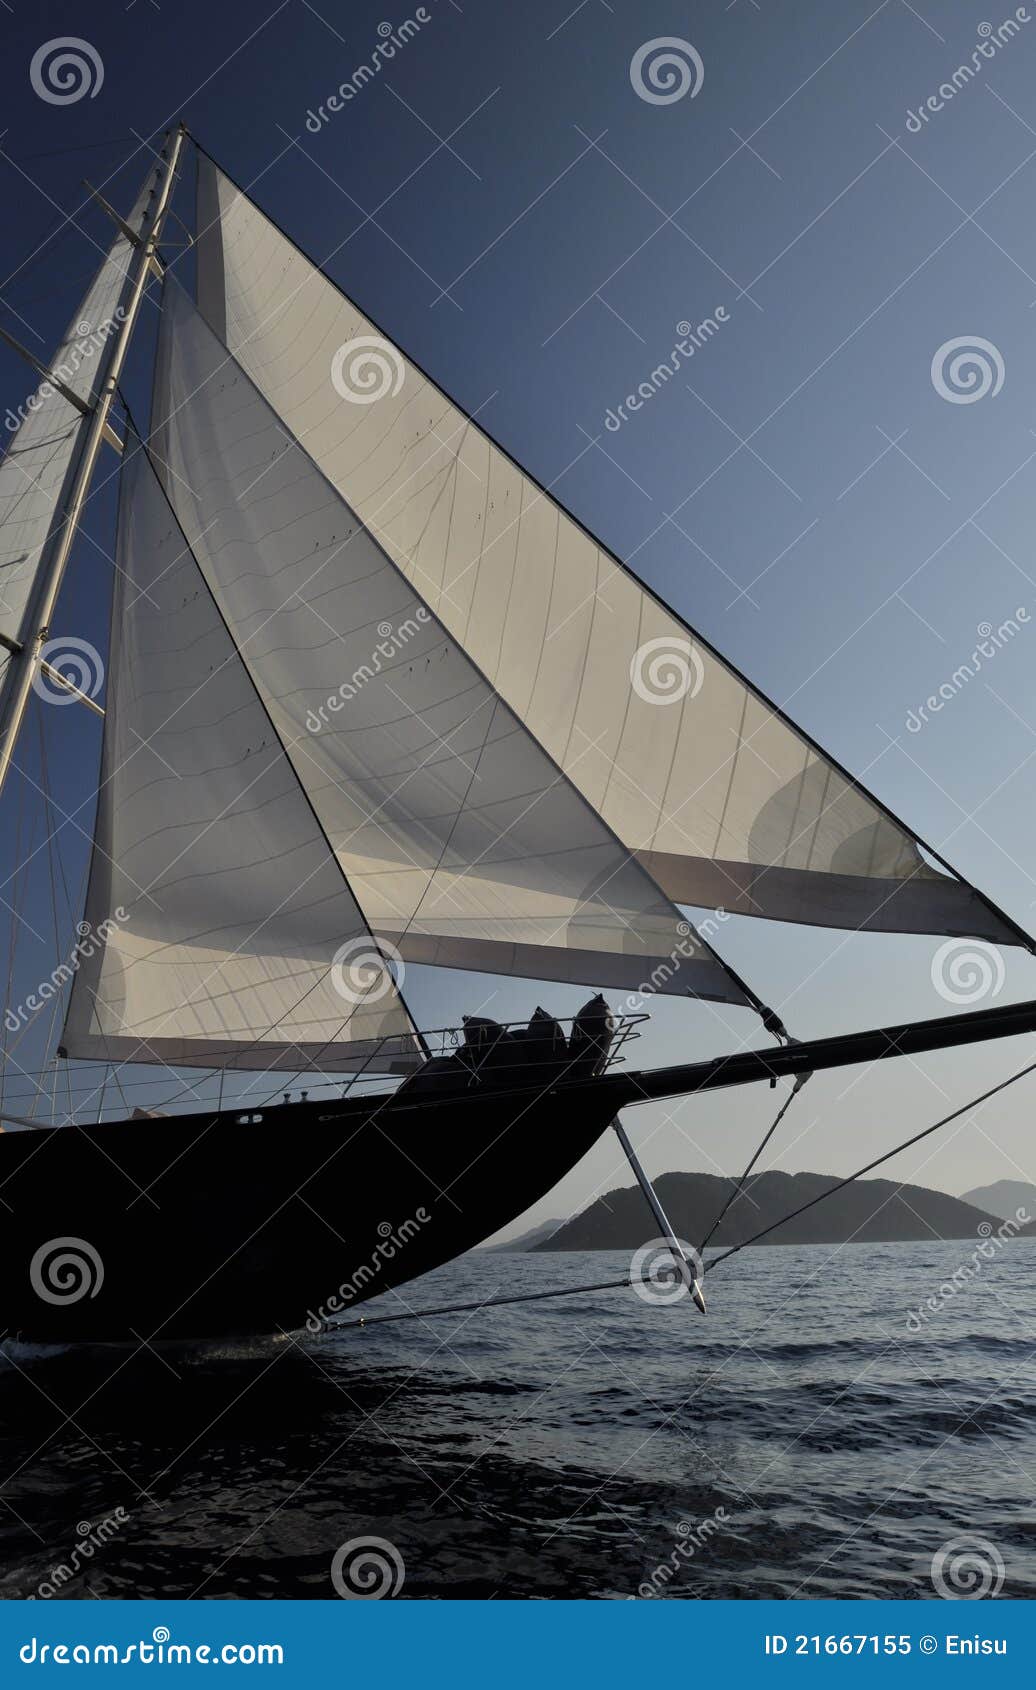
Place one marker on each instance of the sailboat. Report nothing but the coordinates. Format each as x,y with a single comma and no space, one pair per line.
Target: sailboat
375,699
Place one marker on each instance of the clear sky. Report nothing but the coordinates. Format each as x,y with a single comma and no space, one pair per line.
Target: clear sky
505,203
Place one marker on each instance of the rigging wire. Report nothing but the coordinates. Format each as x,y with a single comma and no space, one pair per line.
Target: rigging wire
82,147
114,1074
48,1074
39,256
489,1303
12,930
878,1160
620,1284
53,851
48,824
65,283
30,1020
87,1082
739,1184
20,897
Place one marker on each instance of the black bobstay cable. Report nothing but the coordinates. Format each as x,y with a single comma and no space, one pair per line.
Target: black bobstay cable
467,1308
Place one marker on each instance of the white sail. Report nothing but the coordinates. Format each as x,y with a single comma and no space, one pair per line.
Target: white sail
219,929
463,843
44,437
716,793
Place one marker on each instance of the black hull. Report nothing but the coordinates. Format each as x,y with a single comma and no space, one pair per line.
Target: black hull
208,1226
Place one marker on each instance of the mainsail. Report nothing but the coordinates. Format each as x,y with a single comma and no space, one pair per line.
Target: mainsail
220,929
43,451
709,787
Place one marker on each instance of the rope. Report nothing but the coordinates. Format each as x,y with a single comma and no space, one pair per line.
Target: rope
48,823
82,147
738,1185
878,1160
52,844
467,1308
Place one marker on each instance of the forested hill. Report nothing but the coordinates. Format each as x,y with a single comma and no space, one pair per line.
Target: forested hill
865,1212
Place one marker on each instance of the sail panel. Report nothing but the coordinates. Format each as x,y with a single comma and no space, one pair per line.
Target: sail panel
43,448
220,930
462,842
714,791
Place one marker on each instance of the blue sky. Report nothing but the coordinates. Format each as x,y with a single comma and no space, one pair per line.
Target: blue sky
531,230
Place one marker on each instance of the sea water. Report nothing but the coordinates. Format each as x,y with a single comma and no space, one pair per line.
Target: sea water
810,1437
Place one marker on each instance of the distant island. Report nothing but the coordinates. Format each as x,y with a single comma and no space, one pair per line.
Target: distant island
874,1211
1005,1197
530,1240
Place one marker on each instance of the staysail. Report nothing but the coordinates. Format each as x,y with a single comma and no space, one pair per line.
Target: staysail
462,842
219,930
44,443
711,789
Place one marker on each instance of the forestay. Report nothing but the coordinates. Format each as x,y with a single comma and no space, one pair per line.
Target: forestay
716,793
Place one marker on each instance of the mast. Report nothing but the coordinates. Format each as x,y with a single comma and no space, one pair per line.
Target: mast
60,547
